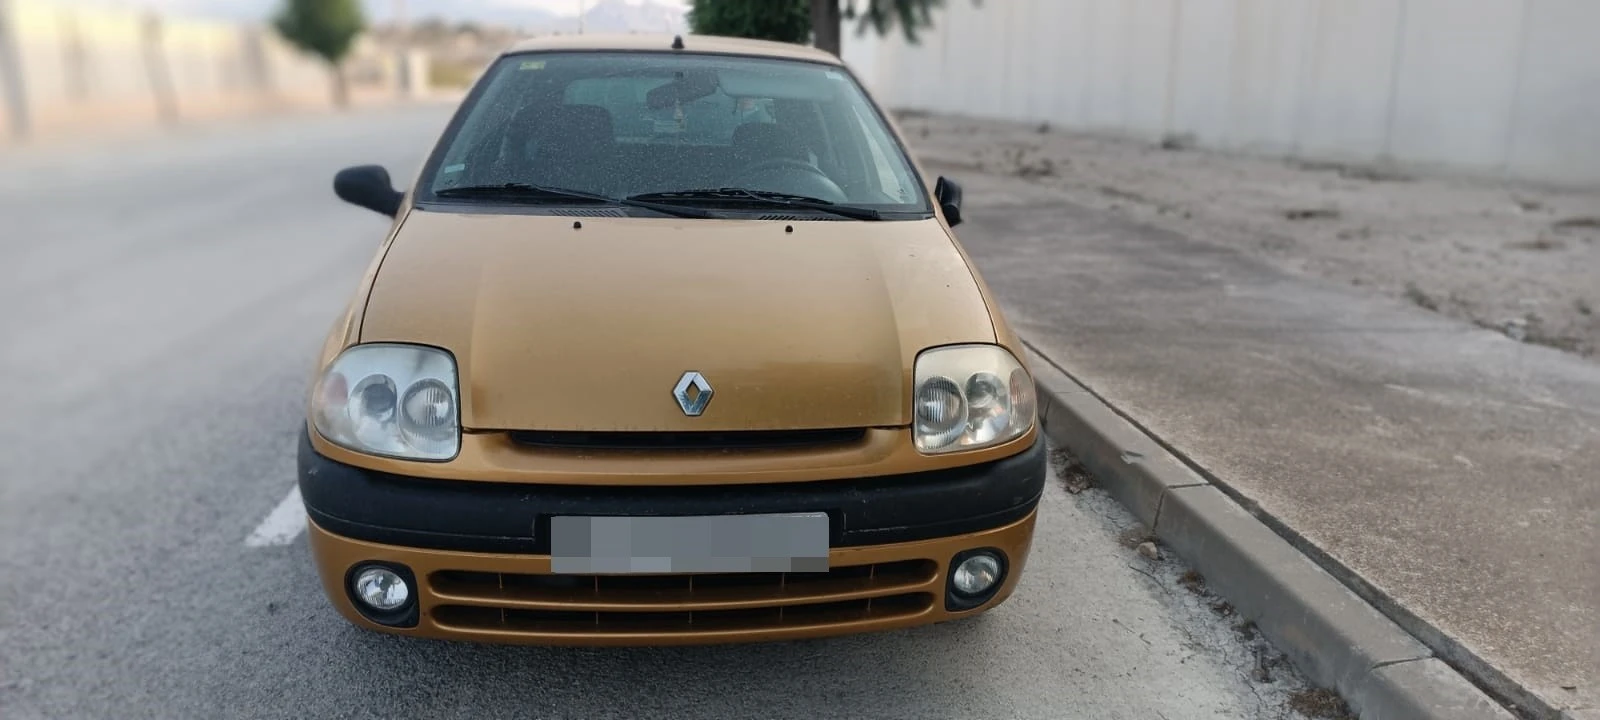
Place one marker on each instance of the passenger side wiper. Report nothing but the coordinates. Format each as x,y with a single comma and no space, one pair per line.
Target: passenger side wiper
528,192
763,197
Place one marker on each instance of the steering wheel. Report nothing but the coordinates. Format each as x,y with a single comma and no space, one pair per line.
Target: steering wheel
789,175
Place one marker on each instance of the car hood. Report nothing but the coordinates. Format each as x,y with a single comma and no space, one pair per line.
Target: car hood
590,325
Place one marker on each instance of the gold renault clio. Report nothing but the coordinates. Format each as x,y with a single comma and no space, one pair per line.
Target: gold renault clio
670,342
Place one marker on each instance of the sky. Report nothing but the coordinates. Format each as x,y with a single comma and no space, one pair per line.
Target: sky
559,7
377,9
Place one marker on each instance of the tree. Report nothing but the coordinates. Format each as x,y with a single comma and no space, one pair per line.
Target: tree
825,24
326,28
821,20
13,94
780,20
879,15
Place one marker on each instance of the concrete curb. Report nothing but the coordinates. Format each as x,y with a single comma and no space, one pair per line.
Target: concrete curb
1334,637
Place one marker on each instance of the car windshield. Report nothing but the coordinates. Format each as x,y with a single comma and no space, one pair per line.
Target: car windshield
624,124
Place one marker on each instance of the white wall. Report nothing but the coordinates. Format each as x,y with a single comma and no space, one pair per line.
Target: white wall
1505,87
89,67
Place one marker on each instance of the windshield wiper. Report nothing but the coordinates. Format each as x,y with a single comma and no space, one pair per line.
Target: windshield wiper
528,192
763,197
522,191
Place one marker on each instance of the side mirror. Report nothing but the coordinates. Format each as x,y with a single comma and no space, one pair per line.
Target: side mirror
368,186
948,193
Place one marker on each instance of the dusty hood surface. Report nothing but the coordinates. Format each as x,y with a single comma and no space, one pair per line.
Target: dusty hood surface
557,328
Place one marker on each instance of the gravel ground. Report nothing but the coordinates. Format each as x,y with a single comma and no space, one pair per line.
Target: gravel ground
1518,258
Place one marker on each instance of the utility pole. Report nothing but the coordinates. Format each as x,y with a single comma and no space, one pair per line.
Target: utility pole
13,96
158,69
402,33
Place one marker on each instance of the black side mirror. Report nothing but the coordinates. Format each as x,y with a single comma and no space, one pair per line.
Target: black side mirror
368,186
948,193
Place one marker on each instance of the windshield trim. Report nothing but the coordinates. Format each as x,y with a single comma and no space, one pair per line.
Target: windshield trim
422,193
575,211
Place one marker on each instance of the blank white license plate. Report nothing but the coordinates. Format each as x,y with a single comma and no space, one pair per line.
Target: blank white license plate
704,544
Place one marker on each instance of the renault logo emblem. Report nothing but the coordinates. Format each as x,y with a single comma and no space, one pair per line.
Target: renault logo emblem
693,393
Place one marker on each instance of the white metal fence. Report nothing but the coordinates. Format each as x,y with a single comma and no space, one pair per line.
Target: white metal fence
1503,87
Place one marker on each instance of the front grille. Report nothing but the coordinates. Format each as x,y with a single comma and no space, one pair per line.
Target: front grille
733,440
667,604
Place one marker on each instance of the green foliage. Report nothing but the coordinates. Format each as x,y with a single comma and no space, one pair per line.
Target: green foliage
884,15
327,28
780,20
790,20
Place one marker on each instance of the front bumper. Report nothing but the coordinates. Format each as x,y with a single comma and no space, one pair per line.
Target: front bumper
478,554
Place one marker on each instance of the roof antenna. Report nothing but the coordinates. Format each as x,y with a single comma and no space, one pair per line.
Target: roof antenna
677,42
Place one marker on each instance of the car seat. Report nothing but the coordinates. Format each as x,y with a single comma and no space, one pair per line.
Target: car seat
576,149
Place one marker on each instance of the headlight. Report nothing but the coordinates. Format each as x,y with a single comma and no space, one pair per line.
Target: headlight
394,400
969,397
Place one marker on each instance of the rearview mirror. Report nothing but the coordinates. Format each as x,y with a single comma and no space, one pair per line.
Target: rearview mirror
687,88
368,186
948,193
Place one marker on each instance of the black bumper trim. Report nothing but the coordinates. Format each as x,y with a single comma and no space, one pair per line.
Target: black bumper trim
470,516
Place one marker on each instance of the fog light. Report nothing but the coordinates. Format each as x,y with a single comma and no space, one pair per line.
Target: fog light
382,589
976,575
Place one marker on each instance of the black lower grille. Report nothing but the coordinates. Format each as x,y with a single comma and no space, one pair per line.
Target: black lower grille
650,590
733,440
687,603
568,622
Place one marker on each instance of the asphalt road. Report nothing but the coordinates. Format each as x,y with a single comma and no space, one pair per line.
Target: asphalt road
165,298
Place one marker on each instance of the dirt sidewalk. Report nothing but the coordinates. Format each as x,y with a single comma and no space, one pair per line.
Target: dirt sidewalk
1519,259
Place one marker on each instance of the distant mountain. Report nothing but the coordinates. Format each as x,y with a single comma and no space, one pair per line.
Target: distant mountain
479,11
616,16
602,16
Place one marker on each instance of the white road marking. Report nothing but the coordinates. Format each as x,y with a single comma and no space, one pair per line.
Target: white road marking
283,524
